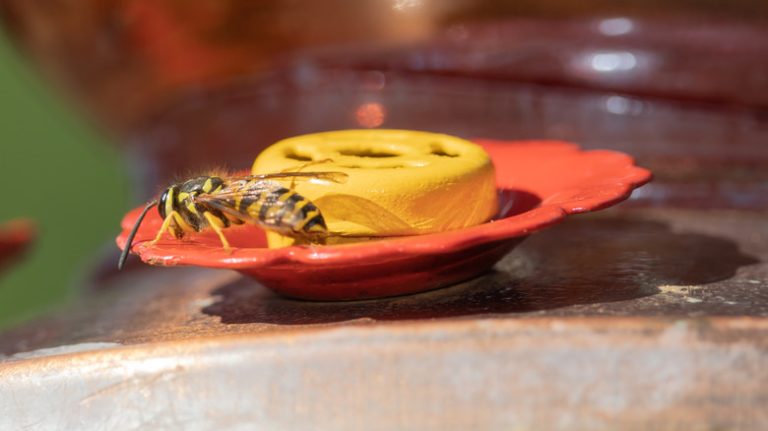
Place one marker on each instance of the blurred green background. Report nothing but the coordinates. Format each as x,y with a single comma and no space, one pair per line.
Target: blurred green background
56,170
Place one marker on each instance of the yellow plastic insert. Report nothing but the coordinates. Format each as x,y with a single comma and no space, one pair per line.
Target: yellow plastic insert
400,182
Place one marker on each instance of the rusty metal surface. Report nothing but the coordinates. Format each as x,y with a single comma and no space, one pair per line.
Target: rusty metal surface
538,373
607,321
631,263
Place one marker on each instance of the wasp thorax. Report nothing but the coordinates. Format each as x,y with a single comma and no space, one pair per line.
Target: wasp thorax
200,185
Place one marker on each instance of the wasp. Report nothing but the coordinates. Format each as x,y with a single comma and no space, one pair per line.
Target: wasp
217,202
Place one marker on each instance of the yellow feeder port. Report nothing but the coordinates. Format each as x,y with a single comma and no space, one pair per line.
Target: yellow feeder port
400,182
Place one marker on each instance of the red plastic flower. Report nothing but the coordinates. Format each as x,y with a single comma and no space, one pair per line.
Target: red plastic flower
539,184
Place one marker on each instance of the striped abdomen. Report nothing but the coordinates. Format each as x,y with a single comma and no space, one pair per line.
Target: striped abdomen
277,208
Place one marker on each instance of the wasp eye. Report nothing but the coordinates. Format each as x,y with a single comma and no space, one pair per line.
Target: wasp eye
161,204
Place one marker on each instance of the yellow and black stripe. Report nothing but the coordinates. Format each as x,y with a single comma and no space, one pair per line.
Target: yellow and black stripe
284,209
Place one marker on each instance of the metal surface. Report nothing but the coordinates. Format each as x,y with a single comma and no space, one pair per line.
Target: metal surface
538,373
639,262
606,321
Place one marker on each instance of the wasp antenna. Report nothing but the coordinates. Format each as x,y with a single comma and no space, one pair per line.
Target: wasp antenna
129,240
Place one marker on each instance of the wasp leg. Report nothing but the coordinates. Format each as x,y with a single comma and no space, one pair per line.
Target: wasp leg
216,225
166,226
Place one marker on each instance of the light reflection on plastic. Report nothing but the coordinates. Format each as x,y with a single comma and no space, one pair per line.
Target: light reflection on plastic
615,26
612,61
370,115
620,105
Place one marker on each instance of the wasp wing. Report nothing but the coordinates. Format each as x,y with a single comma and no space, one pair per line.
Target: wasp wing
259,187
230,199
363,212
260,200
265,203
336,177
